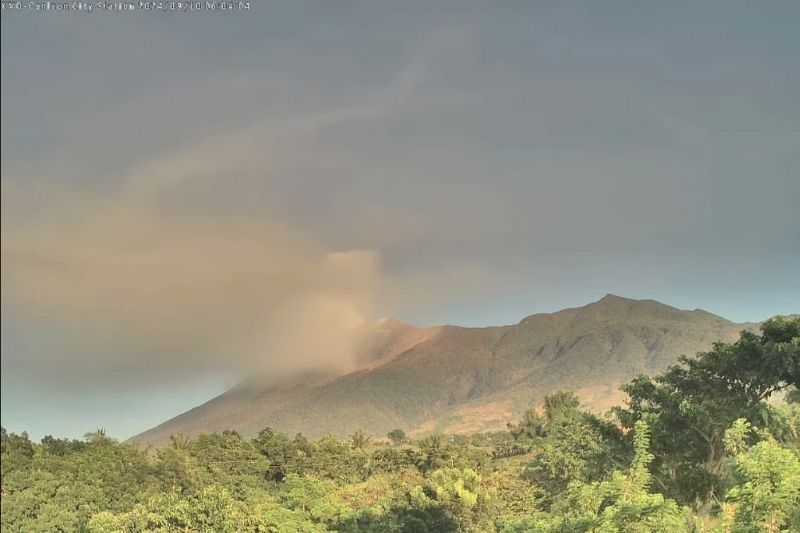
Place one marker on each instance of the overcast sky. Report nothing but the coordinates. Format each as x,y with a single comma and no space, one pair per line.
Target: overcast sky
185,194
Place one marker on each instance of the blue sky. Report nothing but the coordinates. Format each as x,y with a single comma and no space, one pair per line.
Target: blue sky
185,195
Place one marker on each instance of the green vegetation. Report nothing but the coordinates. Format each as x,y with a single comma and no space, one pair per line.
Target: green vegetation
703,447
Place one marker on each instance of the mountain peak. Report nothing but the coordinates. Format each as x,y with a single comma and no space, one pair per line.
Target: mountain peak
614,298
611,304
461,380
390,323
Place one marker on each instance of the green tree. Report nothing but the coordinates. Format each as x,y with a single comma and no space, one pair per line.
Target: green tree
531,426
561,407
575,446
620,503
692,405
766,494
459,494
179,441
391,459
16,452
60,491
177,470
633,508
314,497
397,436
280,451
358,440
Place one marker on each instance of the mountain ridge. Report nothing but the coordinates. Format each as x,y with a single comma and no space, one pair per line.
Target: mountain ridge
459,379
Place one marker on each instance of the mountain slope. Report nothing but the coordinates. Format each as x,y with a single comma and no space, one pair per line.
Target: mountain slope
456,379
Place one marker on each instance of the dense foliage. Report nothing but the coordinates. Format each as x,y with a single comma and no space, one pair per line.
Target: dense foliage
703,447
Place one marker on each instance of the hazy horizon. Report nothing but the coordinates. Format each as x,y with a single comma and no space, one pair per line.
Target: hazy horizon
188,196
193,393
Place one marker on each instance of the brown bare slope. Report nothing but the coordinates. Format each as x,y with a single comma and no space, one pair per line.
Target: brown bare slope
455,379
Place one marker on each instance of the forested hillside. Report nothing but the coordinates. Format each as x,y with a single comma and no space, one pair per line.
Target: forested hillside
712,444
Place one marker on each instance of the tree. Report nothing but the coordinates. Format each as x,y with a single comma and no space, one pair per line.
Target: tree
61,486
313,496
179,441
766,496
228,460
435,453
358,440
633,507
793,396
212,509
98,436
177,470
397,436
61,447
16,452
620,503
459,494
280,452
531,426
692,405
391,459
561,407
574,446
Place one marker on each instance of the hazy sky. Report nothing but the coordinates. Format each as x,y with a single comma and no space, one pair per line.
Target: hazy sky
187,194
